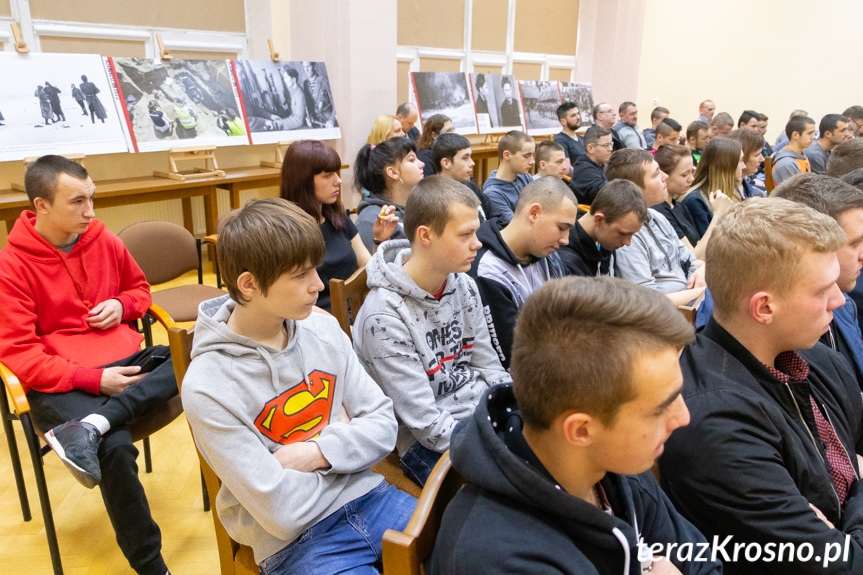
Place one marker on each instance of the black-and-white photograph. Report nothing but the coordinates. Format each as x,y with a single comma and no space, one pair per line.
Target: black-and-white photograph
56,104
497,103
179,103
287,100
540,99
581,94
445,93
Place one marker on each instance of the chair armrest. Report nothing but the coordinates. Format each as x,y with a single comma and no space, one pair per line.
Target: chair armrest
15,390
211,239
161,316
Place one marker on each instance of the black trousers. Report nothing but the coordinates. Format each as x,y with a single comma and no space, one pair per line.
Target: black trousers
137,534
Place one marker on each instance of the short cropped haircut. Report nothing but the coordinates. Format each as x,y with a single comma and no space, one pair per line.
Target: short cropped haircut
855,178
762,117
267,238
593,134
596,109
759,244
512,142
549,192
607,318
430,201
658,111
824,194
667,126
830,122
796,113
751,142
618,198
545,149
40,179
722,120
695,127
846,157
747,117
404,109
447,146
564,108
798,124
628,164
621,110
854,112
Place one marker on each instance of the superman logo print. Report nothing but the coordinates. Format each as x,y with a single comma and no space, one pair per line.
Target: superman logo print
301,412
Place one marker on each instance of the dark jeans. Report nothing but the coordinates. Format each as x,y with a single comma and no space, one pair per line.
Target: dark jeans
137,534
418,462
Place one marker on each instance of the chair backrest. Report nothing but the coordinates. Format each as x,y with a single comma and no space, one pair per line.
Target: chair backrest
405,551
769,184
234,558
346,297
163,250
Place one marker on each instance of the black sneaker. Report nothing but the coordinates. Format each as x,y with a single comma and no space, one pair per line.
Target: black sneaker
77,445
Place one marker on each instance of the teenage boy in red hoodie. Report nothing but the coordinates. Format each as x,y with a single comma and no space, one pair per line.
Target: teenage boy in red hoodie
71,292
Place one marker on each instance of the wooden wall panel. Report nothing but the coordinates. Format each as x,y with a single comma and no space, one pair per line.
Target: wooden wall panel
489,25
560,74
439,65
547,27
105,47
527,71
403,82
438,24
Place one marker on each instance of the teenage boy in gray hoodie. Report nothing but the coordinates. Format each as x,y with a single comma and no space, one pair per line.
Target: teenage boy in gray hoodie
790,161
283,411
421,333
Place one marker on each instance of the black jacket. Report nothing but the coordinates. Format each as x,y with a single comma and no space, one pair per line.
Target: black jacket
588,178
582,258
512,518
750,461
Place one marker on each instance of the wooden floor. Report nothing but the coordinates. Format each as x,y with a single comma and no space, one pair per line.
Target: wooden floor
87,543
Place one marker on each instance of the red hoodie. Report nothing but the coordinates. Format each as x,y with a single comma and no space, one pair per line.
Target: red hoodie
45,295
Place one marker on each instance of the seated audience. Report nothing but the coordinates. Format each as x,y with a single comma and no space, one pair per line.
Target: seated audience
570,120
71,295
697,138
721,125
385,127
388,171
451,155
258,350
658,114
310,179
667,132
749,120
752,144
855,120
782,139
706,110
421,332
845,158
767,150
436,125
603,116
656,258
844,203
769,457
589,169
627,127
720,171
557,466
516,260
832,131
616,214
407,116
676,162
515,152
550,160
789,161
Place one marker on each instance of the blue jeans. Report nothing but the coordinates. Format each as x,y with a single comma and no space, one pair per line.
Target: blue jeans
349,540
418,462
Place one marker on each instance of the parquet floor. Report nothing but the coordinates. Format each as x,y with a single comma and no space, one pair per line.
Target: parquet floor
87,543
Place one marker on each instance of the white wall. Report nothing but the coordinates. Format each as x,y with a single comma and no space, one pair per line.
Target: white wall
772,57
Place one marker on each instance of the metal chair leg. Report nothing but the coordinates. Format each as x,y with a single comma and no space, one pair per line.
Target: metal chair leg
14,455
42,488
148,459
205,492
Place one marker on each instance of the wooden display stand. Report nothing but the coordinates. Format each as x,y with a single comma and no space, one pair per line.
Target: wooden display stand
281,148
188,154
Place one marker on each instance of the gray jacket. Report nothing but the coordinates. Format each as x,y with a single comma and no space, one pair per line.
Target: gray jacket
630,135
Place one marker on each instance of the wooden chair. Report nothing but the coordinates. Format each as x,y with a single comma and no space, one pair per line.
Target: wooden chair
769,184
405,551
690,310
140,429
234,558
346,297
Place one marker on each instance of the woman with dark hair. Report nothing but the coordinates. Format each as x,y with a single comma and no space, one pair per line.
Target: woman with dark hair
388,171
310,179
434,127
720,171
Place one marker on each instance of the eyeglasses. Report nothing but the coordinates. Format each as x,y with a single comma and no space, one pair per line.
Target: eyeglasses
607,146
